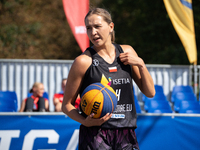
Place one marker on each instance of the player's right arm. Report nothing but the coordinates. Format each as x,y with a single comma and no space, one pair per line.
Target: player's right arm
75,77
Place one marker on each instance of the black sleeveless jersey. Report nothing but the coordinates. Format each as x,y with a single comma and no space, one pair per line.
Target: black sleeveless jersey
119,77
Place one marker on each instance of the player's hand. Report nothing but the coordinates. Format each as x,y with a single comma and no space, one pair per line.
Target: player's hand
128,58
90,121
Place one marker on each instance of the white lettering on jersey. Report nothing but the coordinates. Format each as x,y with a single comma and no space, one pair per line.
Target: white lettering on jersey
118,92
118,116
123,108
120,108
121,81
128,107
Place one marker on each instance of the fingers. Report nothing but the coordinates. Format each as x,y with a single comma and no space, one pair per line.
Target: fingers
91,115
106,117
103,119
123,58
90,121
128,58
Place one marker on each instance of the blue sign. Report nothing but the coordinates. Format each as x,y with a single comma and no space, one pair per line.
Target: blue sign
168,132
40,132
58,132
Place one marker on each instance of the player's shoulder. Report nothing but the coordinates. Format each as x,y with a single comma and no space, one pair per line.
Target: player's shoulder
127,48
83,59
82,62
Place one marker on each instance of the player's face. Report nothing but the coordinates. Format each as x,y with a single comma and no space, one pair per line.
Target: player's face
98,30
40,90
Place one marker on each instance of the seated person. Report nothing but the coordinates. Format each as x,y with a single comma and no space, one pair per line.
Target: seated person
35,102
58,98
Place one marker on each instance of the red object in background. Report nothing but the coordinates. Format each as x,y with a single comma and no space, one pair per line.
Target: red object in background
75,11
77,102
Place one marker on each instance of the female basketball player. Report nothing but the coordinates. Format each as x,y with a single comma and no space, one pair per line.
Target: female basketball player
113,131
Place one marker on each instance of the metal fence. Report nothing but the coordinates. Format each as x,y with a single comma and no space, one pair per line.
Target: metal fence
168,76
19,75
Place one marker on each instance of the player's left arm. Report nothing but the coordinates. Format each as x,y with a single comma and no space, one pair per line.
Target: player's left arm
140,73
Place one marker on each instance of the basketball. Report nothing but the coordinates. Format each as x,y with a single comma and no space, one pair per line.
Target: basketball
98,99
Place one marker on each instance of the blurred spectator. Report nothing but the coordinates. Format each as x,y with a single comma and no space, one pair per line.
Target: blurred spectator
58,98
35,102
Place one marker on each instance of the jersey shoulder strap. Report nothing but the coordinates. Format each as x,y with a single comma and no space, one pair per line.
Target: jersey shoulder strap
91,50
118,47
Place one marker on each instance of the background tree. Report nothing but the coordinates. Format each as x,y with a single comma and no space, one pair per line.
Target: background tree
35,29
146,26
39,30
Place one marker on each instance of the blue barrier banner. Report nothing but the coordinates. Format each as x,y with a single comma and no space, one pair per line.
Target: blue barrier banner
38,132
19,131
168,132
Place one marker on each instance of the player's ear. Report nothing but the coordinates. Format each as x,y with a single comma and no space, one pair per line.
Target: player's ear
111,27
